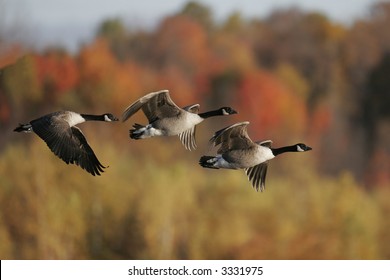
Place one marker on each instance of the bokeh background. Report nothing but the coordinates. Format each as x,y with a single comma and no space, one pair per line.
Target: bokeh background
297,75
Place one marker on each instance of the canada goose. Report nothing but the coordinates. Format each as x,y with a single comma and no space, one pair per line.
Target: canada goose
167,119
238,151
65,139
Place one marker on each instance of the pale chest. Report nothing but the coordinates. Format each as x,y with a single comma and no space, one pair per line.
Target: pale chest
248,157
176,125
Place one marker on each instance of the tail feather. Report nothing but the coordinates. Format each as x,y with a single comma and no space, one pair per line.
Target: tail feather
135,132
23,128
207,162
137,126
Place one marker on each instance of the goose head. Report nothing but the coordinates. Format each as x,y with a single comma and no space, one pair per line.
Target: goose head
302,147
108,117
227,111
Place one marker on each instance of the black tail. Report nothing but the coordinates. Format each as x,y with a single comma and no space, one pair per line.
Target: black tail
23,128
134,134
204,162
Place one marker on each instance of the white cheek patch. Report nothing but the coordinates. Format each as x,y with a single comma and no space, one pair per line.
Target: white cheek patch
224,112
106,118
299,149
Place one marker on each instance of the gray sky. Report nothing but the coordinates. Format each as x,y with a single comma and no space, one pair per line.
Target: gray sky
70,22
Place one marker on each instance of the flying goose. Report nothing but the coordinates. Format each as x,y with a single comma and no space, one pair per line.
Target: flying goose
65,139
238,151
167,119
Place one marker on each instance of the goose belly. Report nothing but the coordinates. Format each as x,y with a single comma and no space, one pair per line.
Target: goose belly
176,125
249,157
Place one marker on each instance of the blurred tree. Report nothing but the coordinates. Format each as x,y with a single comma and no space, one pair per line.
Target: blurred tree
20,87
6,58
9,55
234,23
182,42
293,79
380,16
363,59
223,89
377,122
364,47
141,47
377,101
273,110
308,41
231,58
57,74
114,31
232,53
98,68
200,13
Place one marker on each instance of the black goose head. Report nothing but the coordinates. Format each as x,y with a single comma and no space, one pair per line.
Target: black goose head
302,147
108,117
227,111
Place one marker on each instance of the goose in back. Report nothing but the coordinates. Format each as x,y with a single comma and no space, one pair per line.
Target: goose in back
238,151
167,119
65,139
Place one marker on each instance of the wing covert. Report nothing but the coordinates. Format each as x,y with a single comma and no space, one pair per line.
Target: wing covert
232,137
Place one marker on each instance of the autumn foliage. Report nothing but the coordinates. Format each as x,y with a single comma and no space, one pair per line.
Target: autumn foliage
295,76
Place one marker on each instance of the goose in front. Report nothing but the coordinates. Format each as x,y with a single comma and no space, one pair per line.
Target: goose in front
65,139
238,151
167,119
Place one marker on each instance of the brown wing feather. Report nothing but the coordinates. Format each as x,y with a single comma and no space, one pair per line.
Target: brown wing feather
232,137
257,174
154,105
83,153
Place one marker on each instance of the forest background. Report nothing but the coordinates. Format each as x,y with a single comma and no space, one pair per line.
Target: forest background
297,76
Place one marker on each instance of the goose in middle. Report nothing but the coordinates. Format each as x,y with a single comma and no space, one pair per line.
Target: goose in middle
167,119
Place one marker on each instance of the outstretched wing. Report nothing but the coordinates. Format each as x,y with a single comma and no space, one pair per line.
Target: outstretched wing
85,158
233,137
155,105
257,174
68,143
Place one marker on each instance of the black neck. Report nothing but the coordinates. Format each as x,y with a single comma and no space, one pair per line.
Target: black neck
209,114
278,151
93,117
